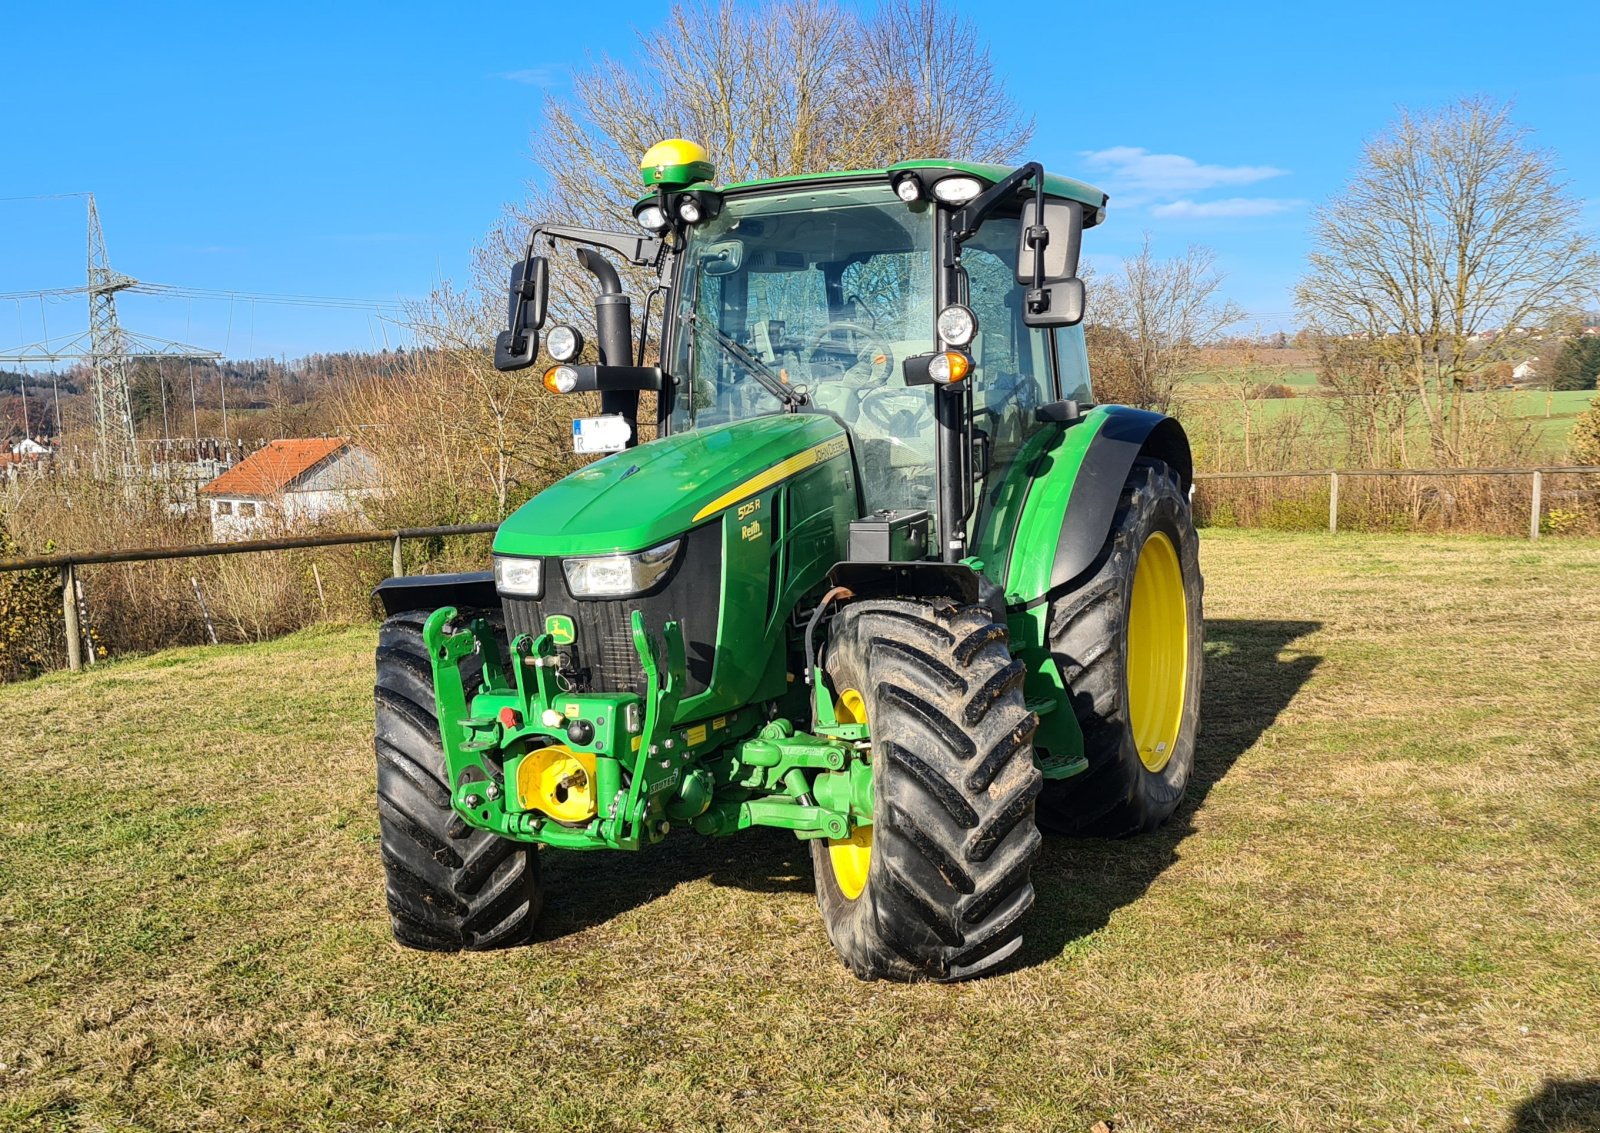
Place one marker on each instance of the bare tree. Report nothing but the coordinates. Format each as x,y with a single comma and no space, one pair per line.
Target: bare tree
455,439
1371,396
1148,321
1452,227
786,86
1247,379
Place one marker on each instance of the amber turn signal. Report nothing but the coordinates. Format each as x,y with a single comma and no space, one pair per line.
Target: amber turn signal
949,367
560,379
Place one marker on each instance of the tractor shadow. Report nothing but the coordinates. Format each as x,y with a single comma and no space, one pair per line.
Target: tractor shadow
1080,882
1560,1106
1252,673
583,890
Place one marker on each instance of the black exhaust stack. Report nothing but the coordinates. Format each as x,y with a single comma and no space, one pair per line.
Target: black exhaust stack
613,320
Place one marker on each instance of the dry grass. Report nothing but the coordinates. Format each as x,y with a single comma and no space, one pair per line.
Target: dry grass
1380,908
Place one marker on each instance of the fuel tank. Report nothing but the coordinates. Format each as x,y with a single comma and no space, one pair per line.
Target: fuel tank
758,511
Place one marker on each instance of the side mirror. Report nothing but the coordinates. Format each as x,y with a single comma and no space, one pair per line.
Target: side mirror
529,297
723,258
1055,295
1059,304
1064,222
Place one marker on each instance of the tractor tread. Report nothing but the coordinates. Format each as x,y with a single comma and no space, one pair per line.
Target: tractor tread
450,887
954,780
942,859
935,784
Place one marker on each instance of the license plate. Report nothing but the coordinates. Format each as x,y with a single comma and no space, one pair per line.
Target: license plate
600,434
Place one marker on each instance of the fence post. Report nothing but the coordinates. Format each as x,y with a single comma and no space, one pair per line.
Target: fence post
399,569
83,619
1333,503
211,630
1538,492
69,615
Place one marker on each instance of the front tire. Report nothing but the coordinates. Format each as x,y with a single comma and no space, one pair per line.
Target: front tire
938,887
1129,643
450,887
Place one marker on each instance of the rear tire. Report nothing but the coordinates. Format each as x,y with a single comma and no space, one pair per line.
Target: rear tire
953,838
1121,792
450,887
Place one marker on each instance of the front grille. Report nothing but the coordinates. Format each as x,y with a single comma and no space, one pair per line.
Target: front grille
601,657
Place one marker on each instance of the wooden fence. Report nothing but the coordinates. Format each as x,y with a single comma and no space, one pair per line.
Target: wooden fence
1333,476
72,593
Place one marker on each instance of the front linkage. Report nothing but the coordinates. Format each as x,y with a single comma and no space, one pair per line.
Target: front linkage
584,771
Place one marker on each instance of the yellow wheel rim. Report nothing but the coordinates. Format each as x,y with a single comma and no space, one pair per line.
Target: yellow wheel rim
850,857
1158,651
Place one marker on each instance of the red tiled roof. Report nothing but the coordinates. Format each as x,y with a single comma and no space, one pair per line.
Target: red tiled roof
270,470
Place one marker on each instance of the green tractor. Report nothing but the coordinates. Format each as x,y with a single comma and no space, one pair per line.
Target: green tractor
884,577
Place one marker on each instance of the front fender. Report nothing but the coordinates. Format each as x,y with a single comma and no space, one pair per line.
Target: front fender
471,591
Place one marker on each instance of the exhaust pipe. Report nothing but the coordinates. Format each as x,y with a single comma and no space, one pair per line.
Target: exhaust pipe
613,320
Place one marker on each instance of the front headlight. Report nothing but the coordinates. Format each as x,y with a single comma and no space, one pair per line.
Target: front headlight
618,576
517,576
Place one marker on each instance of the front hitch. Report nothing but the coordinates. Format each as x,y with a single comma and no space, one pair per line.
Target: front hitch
527,760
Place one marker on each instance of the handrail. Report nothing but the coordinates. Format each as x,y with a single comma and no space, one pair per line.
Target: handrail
1282,474
201,550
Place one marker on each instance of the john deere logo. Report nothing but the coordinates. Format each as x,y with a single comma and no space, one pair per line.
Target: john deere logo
559,627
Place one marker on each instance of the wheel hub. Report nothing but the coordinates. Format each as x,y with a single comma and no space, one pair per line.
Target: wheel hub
851,857
1158,651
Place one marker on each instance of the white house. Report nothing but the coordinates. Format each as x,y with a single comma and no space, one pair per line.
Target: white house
288,484
1525,371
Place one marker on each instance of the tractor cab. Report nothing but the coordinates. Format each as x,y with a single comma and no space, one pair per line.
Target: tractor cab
931,308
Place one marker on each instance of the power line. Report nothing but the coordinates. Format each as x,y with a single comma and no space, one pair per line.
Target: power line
163,290
170,291
46,197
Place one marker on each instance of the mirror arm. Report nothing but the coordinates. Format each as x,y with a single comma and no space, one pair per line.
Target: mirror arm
641,251
965,223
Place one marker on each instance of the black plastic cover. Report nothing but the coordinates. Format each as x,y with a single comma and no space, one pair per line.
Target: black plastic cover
469,590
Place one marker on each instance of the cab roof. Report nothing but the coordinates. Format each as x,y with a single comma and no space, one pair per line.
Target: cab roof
1055,185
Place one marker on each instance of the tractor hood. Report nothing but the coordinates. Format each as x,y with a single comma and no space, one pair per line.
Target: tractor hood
633,500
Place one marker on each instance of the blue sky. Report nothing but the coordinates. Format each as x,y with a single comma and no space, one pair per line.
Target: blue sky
356,149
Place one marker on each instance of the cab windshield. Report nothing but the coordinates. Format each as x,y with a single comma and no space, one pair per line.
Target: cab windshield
816,294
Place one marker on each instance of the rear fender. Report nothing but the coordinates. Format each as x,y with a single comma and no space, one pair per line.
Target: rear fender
1091,506
1062,528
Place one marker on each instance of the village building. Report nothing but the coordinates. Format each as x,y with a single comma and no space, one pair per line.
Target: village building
288,484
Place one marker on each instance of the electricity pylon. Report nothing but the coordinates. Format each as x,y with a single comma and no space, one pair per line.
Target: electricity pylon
109,349
108,355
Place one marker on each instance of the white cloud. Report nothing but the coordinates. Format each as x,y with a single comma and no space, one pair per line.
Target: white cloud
546,75
1231,207
1139,169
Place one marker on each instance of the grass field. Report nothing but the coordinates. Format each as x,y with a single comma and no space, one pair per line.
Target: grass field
1379,909
1547,415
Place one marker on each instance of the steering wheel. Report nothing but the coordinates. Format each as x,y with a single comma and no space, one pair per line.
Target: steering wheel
898,412
882,356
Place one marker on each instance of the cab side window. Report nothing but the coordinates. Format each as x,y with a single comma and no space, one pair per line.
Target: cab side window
1074,356
1012,374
